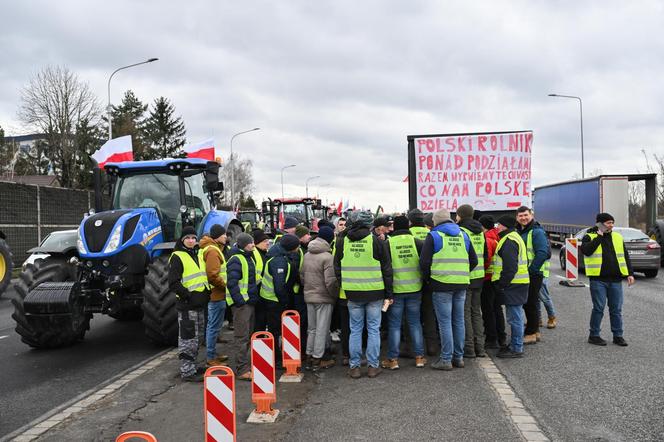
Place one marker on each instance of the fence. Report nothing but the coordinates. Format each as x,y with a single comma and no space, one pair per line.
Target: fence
28,213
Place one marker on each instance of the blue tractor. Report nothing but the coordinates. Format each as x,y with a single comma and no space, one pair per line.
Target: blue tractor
122,264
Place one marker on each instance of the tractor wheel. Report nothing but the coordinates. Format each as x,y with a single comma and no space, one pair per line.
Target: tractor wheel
46,331
128,314
6,266
232,232
160,317
656,232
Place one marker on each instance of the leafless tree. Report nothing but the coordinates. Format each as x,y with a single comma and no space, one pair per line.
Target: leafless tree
244,180
55,102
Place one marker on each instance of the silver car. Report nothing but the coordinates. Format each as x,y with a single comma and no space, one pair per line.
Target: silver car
644,253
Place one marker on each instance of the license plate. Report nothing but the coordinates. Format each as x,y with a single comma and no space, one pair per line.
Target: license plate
637,252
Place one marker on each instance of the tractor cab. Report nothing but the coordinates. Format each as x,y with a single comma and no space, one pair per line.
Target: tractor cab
306,210
251,219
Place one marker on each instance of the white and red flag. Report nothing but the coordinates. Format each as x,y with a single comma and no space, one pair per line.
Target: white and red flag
116,150
203,150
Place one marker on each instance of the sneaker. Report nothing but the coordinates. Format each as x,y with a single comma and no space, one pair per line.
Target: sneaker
372,372
420,361
618,340
326,363
308,363
491,345
458,363
552,322
196,377
390,364
315,364
246,376
334,335
442,365
530,339
596,340
355,373
507,353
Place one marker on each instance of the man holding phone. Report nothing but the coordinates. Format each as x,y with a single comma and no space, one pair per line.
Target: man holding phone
607,264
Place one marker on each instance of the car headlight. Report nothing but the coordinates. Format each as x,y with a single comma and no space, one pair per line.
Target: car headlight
114,242
79,244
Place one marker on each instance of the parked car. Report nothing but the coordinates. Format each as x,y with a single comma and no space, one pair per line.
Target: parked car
644,253
62,240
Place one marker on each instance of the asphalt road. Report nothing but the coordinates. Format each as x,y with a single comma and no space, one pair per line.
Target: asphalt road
32,382
579,391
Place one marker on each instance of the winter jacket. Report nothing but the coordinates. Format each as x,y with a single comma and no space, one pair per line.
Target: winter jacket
610,271
491,242
432,245
317,274
475,227
234,275
213,263
381,253
185,300
418,246
278,269
514,294
540,245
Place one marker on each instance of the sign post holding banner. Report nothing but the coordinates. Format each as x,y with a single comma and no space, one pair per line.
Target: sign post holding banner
489,170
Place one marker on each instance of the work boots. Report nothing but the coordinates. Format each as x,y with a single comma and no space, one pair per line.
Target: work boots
551,323
530,339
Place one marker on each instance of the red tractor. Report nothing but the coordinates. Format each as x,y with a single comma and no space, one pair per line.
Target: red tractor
307,211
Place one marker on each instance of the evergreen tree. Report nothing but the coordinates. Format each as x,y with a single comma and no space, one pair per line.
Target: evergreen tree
164,133
129,119
89,137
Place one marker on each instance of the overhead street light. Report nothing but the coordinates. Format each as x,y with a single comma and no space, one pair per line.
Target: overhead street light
583,170
233,164
282,178
306,184
108,108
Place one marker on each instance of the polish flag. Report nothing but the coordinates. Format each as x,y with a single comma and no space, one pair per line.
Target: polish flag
282,218
203,150
339,208
116,150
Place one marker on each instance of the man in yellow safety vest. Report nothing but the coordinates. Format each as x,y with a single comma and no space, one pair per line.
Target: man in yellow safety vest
188,280
607,264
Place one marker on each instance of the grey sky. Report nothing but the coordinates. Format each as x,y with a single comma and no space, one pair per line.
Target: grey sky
337,86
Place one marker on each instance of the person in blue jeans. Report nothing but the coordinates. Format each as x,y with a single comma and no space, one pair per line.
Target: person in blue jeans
363,266
405,252
545,298
607,264
511,278
446,261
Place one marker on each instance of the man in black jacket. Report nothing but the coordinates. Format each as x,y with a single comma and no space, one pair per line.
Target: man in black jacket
607,264
188,280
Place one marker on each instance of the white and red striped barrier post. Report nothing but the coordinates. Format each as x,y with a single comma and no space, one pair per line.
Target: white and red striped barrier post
263,378
572,264
291,345
219,405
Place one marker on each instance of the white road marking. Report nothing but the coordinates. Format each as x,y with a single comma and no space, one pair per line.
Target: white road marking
3,337
521,418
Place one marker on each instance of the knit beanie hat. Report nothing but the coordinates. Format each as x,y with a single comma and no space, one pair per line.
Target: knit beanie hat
441,216
380,221
363,218
188,230
416,217
243,240
507,221
289,242
326,233
259,236
301,231
290,222
465,211
216,231
487,221
323,222
604,217
400,222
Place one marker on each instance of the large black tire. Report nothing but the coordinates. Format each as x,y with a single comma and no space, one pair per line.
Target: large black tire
6,266
656,232
651,273
160,316
47,332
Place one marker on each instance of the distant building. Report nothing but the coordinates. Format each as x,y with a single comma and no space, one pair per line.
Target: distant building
24,142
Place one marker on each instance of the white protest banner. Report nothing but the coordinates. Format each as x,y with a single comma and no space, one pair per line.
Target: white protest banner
490,171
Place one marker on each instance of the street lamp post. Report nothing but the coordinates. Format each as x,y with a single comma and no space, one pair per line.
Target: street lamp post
583,170
108,108
282,178
233,164
306,184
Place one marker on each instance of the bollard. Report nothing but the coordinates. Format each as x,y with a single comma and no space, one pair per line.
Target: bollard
291,346
263,377
219,404
571,264
144,435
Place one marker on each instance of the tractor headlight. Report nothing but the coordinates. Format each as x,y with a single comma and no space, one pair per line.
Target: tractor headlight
114,242
79,244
